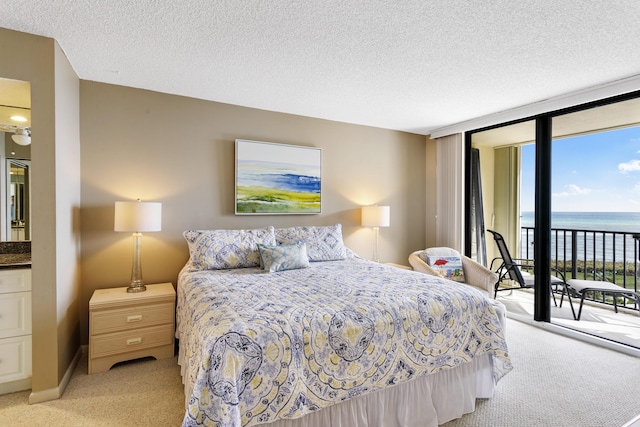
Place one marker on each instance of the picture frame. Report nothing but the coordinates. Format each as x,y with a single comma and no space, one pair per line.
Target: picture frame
277,179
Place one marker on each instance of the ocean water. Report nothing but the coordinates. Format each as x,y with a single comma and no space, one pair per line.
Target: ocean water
603,234
607,221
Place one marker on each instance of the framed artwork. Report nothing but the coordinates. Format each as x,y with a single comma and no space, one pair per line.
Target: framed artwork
277,178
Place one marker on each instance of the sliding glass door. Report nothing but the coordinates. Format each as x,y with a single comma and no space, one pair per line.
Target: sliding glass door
563,189
596,200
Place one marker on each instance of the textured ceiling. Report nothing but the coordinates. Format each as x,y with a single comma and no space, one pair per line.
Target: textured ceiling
410,65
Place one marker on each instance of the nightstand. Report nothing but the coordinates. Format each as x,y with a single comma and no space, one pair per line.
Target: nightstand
125,326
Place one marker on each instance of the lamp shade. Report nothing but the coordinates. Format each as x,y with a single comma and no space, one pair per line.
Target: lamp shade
375,216
138,216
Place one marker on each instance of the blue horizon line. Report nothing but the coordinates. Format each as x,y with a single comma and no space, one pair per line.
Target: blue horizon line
597,212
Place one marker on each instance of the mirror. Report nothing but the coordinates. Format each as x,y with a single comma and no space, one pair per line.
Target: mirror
18,196
15,160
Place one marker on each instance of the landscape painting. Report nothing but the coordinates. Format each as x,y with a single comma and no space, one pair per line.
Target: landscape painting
277,178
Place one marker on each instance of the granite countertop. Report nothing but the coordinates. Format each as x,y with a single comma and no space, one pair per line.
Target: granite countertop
15,261
15,255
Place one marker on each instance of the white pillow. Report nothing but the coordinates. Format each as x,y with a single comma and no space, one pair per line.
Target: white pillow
221,249
323,243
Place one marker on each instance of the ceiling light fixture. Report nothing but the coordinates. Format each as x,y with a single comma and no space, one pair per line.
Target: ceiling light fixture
22,137
19,118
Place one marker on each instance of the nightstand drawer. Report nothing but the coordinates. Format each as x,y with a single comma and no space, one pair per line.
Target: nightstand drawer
121,319
123,342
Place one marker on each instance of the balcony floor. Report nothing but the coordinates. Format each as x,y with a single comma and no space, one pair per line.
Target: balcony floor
597,319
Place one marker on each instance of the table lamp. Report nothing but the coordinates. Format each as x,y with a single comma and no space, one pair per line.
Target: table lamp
137,217
376,217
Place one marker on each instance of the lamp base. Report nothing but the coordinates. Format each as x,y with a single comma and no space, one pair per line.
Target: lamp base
136,288
375,245
136,270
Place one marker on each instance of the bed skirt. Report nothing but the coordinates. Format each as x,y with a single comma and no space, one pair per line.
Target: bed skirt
423,402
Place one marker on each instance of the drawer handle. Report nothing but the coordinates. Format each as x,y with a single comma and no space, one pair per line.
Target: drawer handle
136,318
132,341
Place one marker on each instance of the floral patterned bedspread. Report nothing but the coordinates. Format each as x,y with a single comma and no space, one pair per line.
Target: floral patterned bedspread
256,346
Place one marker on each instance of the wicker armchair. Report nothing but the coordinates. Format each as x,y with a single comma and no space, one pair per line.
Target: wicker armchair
475,274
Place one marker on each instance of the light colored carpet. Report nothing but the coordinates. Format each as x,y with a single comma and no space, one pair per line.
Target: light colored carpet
146,392
556,381
559,381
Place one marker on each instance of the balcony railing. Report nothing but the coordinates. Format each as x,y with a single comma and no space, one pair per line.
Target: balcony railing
592,255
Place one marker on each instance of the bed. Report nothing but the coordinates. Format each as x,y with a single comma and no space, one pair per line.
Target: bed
288,327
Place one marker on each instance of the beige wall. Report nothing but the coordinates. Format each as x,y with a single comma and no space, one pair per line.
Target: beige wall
67,193
181,152
55,296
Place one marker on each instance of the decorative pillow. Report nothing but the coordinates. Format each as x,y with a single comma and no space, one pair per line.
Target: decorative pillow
220,249
323,243
283,257
449,267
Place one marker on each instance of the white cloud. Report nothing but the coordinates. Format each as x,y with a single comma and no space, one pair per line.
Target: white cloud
573,190
577,190
633,165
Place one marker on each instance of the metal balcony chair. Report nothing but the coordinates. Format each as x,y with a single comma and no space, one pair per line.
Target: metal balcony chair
510,268
579,288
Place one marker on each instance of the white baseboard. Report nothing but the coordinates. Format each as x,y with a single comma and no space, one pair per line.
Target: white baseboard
56,392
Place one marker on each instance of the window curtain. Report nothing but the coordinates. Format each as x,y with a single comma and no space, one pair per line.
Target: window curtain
450,191
478,243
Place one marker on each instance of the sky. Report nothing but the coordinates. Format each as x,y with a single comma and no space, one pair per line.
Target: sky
598,172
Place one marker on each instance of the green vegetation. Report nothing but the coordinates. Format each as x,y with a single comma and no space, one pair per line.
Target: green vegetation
256,199
620,273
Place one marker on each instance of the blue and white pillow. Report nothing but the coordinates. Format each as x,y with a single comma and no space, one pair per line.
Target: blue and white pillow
283,257
222,249
323,243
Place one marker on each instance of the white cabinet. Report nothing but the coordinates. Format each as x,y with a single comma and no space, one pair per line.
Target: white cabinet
15,330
